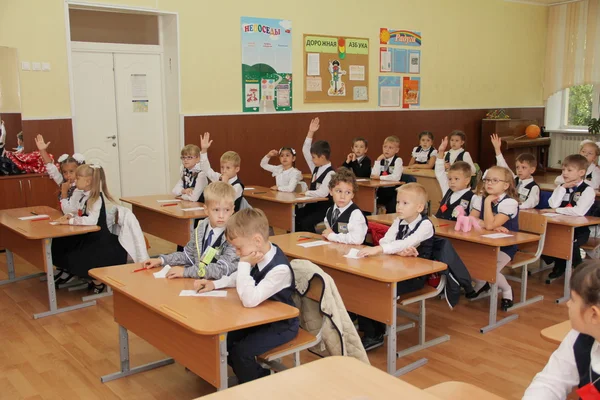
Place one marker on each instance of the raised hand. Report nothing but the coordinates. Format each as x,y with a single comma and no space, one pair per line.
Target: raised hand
443,147
497,143
39,142
205,142
273,153
314,125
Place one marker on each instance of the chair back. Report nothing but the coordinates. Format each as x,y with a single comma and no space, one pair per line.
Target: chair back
536,224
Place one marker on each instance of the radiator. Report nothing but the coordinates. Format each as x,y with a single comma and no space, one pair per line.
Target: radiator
564,144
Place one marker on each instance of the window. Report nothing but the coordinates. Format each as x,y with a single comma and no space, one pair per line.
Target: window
580,104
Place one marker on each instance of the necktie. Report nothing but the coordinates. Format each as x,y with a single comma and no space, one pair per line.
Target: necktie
336,215
402,231
386,165
207,241
314,177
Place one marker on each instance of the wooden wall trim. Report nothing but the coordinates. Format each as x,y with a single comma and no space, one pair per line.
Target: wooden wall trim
57,131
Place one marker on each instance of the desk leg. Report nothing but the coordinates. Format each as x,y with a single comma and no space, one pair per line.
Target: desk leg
391,336
52,290
567,289
124,355
223,384
493,323
10,265
293,225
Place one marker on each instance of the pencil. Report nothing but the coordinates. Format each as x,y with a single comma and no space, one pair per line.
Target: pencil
201,287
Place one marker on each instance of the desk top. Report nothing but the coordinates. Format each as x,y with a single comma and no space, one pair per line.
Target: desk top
556,333
201,315
445,229
420,172
377,183
36,230
151,203
328,378
383,268
568,220
265,193
460,390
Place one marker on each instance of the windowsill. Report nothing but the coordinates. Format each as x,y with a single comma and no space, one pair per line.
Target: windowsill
573,131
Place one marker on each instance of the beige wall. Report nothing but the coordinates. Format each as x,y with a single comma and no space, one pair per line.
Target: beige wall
10,100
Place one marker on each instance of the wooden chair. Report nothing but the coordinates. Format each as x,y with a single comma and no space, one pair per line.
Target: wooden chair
527,254
419,296
459,391
591,247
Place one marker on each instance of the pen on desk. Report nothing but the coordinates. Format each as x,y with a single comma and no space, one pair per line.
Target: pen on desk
169,204
139,269
199,289
34,213
442,225
40,219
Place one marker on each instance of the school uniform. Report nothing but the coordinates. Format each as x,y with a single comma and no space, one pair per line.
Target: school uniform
214,176
271,278
527,189
361,167
402,235
451,199
592,177
509,207
193,179
80,253
57,177
452,156
285,180
422,155
388,169
195,256
575,363
577,202
348,224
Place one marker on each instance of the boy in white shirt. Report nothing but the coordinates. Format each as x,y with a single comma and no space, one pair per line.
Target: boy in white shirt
527,189
345,222
456,185
191,185
457,151
263,273
388,167
590,151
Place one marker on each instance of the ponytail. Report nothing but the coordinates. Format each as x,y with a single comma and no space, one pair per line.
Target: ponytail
98,184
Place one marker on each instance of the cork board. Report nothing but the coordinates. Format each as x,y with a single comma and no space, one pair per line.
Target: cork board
336,69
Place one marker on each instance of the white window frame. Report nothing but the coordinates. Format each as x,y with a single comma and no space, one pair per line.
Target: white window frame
565,108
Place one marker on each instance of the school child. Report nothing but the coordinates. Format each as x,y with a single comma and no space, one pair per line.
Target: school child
410,230
574,197
19,148
76,255
287,176
388,167
317,157
498,209
575,364
208,254
230,166
457,151
527,189
456,185
190,186
358,161
65,178
590,151
424,155
263,273
345,222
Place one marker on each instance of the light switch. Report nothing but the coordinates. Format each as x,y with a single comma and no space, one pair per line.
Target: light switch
26,66
36,66
45,66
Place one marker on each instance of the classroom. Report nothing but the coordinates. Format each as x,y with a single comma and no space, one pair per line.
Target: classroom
396,198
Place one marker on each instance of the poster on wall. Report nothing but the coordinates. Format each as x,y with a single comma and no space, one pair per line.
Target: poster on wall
266,64
411,92
401,61
399,37
389,91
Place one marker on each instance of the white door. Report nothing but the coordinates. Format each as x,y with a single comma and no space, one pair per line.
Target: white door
138,88
95,112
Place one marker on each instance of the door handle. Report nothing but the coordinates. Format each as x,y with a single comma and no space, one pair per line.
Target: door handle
112,137
29,182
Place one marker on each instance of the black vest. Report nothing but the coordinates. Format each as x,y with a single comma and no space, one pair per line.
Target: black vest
464,201
419,149
459,157
574,195
189,180
390,168
238,202
512,225
582,349
529,186
425,249
318,180
343,219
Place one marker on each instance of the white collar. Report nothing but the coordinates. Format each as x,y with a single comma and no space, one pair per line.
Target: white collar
525,181
501,197
595,357
216,231
424,149
335,207
230,181
359,159
461,192
267,258
456,151
391,158
322,167
412,224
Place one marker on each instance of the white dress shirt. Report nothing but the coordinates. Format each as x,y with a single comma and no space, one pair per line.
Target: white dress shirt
201,183
532,196
442,178
594,182
78,202
423,155
585,202
322,189
395,175
71,205
508,207
251,294
215,176
560,375
466,158
54,173
357,227
391,245
285,179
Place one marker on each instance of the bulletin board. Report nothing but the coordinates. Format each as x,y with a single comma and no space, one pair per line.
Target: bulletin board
336,69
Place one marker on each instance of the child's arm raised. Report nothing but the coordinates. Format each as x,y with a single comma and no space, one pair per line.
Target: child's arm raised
312,128
500,161
50,167
205,144
264,162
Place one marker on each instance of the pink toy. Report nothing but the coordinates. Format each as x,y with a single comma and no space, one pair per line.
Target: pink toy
464,222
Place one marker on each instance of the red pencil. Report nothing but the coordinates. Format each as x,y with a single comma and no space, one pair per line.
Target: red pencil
439,226
139,269
169,204
40,219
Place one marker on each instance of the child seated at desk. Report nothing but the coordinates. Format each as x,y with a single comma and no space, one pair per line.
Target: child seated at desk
456,185
287,176
527,190
590,151
358,161
345,222
410,230
190,186
576,361
388,167
317,157
574,197
264,273
424,155
230,166
457,151
498,210
208,254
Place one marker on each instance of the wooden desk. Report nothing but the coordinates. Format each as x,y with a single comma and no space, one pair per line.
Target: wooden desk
549,187
559,242
459,391
280,207
191,330
479,255
426,177
367,285
32,241
327,378
556,333
169,223
366,198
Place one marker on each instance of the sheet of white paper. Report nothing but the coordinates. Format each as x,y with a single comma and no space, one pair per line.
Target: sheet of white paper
496,235
139,87
314,84
168,201
162,273
53,223
386,61
313,64
550,214
353,253
313,244
192,209
214,293
40,216
249,188
362,180
389,96
357,72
